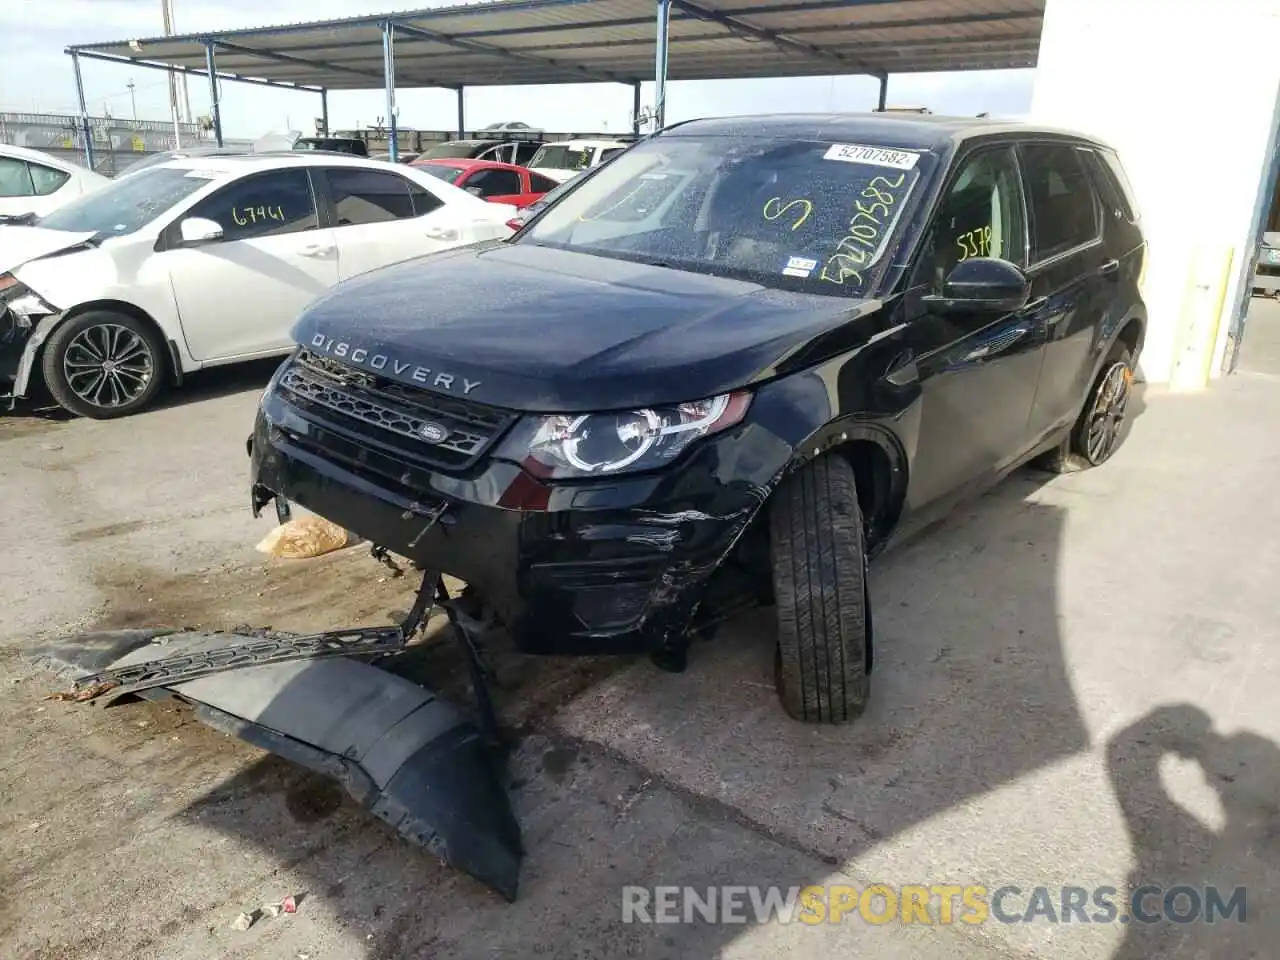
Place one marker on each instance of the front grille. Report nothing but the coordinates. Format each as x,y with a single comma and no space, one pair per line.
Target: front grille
390,416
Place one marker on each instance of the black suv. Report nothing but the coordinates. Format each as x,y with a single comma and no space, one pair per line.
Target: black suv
724,369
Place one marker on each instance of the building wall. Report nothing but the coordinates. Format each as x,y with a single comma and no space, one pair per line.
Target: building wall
1186,91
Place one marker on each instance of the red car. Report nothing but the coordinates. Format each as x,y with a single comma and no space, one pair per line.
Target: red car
490,180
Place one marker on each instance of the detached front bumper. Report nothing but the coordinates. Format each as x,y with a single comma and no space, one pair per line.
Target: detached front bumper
607,566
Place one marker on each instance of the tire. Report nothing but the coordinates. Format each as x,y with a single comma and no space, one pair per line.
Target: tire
1080,450
132,347
820,587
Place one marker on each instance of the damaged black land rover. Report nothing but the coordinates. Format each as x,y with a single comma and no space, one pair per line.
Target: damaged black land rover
724,369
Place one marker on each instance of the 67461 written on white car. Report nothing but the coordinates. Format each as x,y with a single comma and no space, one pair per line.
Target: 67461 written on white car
202,262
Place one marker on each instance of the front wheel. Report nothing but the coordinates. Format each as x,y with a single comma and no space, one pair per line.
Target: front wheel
820,588
101,364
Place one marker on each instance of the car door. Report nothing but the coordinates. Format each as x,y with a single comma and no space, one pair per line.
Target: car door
523,151
978,370
495,184
1070,275
240,294
380,218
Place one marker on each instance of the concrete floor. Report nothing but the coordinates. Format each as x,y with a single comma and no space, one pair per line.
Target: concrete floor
1073,686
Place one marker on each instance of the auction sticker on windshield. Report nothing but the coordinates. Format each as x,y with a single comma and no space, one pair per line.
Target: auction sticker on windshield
876,156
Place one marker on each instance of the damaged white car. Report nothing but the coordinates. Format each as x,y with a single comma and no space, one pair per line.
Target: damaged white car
202,262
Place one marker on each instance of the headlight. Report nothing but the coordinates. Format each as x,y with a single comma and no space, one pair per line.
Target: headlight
595,444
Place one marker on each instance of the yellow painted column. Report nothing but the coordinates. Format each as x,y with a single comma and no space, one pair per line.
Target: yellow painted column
1208,276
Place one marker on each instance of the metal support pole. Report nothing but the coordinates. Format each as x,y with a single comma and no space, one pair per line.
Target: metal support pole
324,111
84,112
884,91
635,108
389,76
215,110
462,115
660,67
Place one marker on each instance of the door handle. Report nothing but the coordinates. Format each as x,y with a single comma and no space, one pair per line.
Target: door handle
997,344
316,250
1109,269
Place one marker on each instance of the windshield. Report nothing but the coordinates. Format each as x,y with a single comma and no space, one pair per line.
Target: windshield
800,214
127,204
561,156
441,170
452,148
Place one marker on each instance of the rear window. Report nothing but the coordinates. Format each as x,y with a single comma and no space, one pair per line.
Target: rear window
803,214
453,148
440,171
559,156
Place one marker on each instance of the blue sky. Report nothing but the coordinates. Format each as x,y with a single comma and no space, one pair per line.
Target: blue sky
35,74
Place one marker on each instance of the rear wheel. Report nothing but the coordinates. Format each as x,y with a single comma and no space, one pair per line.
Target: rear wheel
820,587
1099,430
101,364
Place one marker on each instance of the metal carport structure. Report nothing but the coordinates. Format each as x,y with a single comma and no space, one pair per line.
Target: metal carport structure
520,42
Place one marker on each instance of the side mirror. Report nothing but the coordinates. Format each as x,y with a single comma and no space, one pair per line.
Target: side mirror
199,230
474,191
984,284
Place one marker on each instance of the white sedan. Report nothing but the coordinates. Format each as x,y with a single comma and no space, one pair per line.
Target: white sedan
206,261
37,183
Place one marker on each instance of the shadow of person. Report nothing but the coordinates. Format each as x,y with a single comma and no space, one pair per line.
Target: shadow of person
1227,871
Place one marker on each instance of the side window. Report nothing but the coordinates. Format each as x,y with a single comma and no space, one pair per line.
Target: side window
1061,206
524,152
979,215
495,183
424,201
540,184
46,180
368,196
15,180
1121,179
262,205
1113,200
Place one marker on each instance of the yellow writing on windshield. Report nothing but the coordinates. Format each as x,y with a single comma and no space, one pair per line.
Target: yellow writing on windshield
775,207
247,215
872,212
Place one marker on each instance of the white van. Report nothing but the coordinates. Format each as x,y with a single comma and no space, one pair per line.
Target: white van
562,160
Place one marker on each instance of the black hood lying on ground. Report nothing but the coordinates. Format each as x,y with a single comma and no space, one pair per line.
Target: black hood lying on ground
541,329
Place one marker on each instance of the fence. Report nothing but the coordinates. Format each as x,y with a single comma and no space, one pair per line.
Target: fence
116,142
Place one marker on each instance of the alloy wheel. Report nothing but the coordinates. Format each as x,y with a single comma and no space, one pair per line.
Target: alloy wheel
1106,418
108,365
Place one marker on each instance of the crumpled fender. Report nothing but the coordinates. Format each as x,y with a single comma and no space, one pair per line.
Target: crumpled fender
30,348
407,756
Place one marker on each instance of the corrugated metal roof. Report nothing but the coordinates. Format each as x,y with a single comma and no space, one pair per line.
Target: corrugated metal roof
511,42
